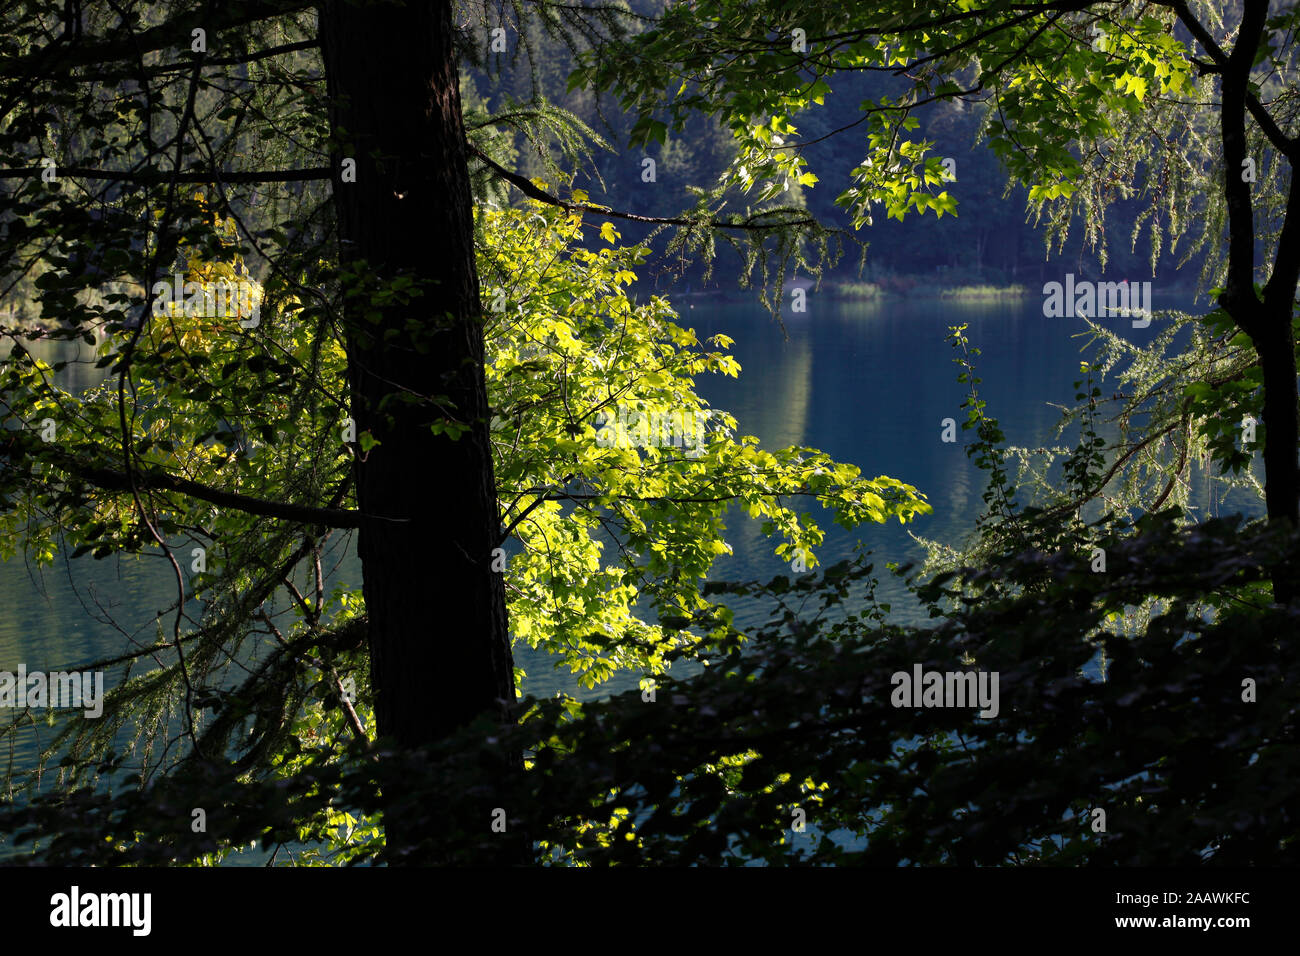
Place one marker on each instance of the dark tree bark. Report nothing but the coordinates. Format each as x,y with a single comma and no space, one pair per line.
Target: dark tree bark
1282,482
439,644
1275,345
1267,322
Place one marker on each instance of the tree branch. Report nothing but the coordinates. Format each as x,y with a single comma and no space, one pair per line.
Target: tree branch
530,190
156,176
1289,147
163,69
1239,297
60,58
111,479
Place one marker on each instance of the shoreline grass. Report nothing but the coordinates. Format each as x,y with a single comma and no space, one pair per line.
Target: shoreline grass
984,292
858,290
917,288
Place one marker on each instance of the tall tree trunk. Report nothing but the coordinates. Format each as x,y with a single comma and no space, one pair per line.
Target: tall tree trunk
1281,436
1268,323
439,644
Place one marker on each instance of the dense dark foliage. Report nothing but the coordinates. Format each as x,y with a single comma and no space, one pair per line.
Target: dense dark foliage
1185,769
